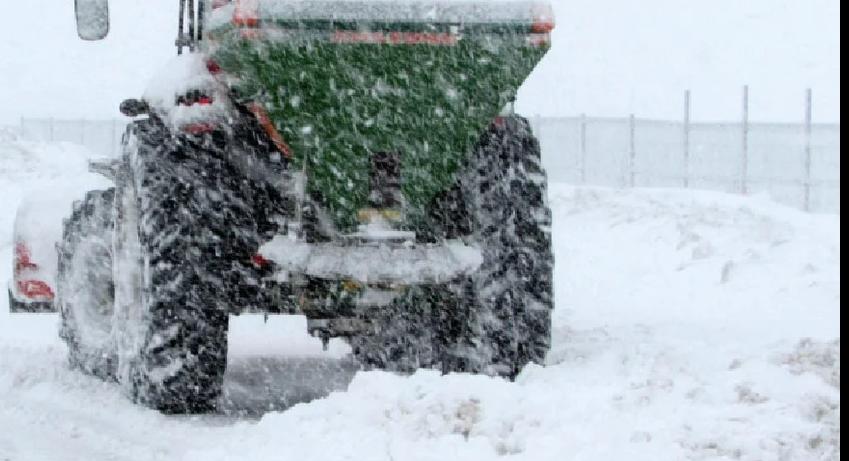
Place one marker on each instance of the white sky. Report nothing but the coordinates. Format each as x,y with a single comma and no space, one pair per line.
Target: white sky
609,58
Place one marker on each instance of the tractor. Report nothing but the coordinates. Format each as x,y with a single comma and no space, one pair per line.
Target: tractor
356,162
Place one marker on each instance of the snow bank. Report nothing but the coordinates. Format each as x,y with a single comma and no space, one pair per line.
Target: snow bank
688,326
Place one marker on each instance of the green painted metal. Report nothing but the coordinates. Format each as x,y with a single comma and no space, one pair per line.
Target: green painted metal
337,103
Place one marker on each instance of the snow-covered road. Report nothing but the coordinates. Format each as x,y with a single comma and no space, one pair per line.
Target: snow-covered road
689,325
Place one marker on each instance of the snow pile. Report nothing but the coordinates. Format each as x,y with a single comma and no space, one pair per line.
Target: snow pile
25,164
688,326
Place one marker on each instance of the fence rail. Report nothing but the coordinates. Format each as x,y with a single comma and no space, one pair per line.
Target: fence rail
102,137
797,164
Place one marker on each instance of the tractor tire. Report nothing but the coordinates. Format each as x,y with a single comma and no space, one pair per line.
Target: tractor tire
84,289
498,319
512,295
185,231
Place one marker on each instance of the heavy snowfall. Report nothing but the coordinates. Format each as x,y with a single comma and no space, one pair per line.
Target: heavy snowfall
688,325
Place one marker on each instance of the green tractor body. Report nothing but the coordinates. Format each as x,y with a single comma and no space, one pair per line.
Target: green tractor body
343,81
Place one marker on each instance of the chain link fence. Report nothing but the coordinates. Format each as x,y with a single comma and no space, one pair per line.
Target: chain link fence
797,164
103,137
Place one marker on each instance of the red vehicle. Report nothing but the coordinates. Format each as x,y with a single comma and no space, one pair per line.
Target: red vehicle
36,232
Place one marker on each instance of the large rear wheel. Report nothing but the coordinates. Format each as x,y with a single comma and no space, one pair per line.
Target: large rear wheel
185,231
512,295
498,319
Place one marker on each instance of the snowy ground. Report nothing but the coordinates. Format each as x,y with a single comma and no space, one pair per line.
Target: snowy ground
688,326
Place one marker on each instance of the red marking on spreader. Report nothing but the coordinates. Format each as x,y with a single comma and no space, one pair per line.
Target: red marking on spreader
539,39
395,38
543,19
247,13
250,34
267,125
199,128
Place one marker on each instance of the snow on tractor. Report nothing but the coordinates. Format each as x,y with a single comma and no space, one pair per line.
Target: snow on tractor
355,162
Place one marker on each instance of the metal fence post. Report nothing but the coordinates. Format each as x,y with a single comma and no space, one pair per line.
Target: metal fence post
632,150
744,167
808,134
687,139
583,148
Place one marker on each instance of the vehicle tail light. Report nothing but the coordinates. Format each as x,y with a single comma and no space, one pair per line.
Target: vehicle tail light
35,290
23,259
